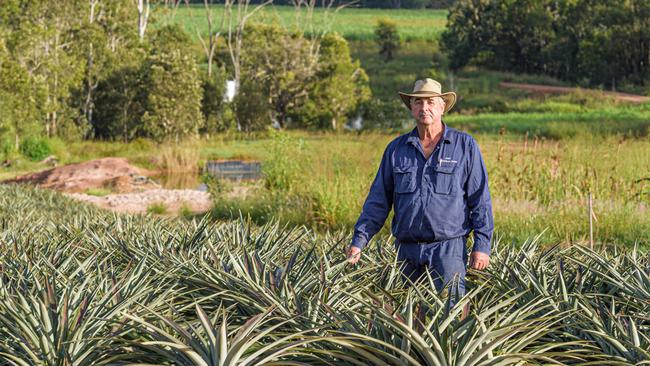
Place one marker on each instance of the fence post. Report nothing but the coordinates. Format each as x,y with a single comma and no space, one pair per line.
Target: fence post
591,223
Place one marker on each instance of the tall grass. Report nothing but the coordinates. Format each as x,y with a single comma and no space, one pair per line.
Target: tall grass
178,159
537,184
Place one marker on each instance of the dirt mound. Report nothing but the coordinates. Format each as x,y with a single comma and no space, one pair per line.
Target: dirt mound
112,173
133,191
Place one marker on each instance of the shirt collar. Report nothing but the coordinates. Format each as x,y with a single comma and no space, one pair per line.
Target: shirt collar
414,136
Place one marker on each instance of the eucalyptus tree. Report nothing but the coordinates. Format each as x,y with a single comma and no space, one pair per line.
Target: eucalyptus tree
21,100
144,8
171,87
39,38
339,87
281,65
105,43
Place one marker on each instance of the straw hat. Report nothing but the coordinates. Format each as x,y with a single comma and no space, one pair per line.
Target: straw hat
429,88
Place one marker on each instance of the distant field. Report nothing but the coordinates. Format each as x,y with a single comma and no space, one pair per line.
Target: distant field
352,23
413,60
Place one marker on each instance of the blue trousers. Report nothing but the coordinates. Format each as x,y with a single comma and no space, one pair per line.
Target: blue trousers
446,261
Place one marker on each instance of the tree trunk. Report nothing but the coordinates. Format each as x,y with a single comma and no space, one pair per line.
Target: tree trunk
143,17
88,105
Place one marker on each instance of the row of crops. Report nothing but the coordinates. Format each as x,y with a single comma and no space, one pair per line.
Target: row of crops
80,286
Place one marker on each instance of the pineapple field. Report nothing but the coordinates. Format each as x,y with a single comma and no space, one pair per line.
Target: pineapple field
82,286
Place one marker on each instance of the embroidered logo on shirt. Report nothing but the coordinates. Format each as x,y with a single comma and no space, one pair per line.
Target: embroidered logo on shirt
447,161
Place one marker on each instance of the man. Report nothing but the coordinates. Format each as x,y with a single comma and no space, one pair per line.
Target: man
435,180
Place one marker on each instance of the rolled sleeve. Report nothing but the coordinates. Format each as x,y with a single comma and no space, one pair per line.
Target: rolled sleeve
377,205
479,201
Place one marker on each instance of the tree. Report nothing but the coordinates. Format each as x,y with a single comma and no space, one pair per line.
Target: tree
173,101
387,38
304,81
120,100
209,46
21,100
40,39
280,65
143,17
212,102
339,86
252,107
594,42
159,98
105,41
236,25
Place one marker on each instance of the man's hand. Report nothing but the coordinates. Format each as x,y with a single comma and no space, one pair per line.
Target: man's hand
478,260
353,254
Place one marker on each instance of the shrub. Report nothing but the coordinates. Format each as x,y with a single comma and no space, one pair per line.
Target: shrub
157,208
387,38
35,148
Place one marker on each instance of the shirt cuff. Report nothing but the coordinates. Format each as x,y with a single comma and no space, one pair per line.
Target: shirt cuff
359,241
482,247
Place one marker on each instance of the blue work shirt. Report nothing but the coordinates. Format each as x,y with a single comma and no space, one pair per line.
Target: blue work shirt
435,199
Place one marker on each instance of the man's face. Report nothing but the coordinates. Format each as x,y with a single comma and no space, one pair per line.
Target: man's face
427,110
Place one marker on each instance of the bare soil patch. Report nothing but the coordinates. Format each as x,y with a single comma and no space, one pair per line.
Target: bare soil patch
547,89
133,191
173,201
114,173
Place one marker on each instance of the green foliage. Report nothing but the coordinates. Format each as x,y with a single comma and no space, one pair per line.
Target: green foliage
581,41
35,148
173,101
212,103
282,169
159,97
251,107
169,38
339,88
21,100
310,82
84,286
41,39
66,48
280,65
157,208
119,105
387,38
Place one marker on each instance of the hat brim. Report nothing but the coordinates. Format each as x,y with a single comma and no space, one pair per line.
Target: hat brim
449,98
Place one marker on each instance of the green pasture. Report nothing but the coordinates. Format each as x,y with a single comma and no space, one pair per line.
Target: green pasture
352,23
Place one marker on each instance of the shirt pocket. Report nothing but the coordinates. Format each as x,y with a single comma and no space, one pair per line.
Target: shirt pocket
444,178
405,179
